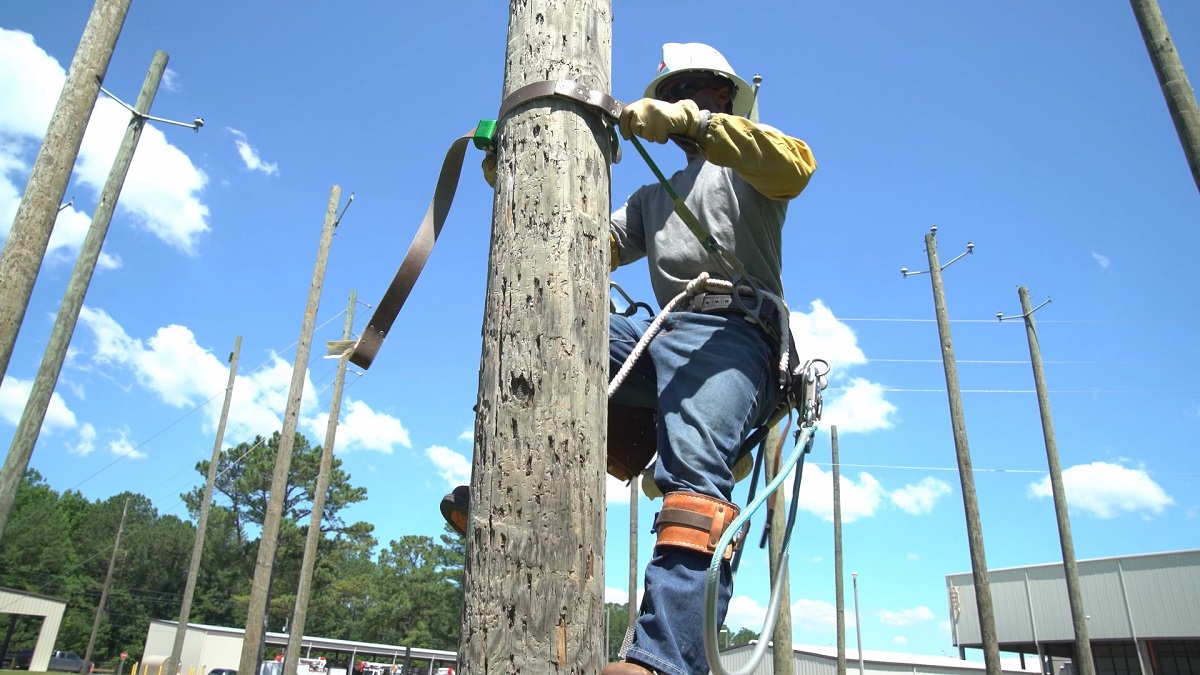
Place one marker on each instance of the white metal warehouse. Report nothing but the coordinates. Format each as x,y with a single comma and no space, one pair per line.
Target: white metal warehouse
1143,612
817,660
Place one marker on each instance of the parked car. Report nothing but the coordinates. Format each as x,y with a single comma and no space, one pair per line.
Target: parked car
222,671
18,660
67,662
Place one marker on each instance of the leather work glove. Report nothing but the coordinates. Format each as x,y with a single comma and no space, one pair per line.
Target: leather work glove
656,120
489,168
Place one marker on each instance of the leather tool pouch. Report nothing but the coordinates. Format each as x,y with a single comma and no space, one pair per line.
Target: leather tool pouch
632,440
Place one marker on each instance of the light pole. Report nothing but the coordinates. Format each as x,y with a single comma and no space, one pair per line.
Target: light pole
858,625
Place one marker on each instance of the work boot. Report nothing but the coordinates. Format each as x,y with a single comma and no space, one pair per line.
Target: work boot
625,668
455,507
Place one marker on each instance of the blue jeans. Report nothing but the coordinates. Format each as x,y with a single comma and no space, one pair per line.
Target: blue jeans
711,378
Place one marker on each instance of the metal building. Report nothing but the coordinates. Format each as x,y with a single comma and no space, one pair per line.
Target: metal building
1143,612
815,660
23,603
207,647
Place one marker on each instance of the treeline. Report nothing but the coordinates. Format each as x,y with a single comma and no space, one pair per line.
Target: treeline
59,545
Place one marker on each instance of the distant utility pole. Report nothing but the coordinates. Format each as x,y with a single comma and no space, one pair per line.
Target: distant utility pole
862,670
839,585
535,542
112,563
632,606
176,663
983,592
781,635
1083,646
30,234
26,435
264,566
300,612
1181,99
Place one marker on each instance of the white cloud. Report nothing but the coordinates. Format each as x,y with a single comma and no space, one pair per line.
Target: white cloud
468,435
87,441
860,499
15,392
362,428
859,406
816,616
249,154
912,556
121,447
820,335
162,190
900,640
920,499
745,612
183,374
1107,490
854,404
451,466
170,80
905,617
1101,260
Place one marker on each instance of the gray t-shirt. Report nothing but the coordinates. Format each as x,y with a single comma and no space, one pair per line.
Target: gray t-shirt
743,221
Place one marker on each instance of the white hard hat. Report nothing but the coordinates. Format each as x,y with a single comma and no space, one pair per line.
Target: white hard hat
696,57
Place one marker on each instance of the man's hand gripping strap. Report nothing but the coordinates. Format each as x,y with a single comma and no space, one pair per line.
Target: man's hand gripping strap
695,522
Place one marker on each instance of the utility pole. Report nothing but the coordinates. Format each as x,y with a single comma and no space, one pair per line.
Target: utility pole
300,613
632,606
838,583
1181,99
1083,646
781,635
983,591
175,665
112,563
535,542
26,435
862,670
30,234
264,566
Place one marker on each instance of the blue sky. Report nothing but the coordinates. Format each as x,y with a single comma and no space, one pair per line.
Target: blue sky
1035,130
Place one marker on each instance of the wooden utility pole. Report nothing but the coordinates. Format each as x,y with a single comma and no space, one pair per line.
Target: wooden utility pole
634,569
112,564
30,234
1083,647
535,541
839,585
300,613
1181,99
781,635
30,425
979,570
264,566
175,665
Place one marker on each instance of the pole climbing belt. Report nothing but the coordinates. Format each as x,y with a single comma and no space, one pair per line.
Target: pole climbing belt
801,383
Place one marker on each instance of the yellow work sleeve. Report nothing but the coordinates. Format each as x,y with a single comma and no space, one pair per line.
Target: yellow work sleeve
614,253
776,164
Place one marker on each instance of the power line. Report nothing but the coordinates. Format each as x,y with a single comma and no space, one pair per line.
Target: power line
1059,363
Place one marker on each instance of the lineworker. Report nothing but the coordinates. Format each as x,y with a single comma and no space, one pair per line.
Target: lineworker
711,374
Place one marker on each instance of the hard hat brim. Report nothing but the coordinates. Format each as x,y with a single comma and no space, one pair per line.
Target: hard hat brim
743,98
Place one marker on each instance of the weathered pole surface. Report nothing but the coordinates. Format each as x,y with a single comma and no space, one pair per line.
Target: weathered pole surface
535,541
112,564
175,665
30,425
966,475
291,657
634,568
30,234
1181,98
781,635
839,585
1084,664
264,567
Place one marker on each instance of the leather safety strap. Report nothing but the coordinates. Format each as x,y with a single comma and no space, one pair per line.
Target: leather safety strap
414,261
393,300
695,522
